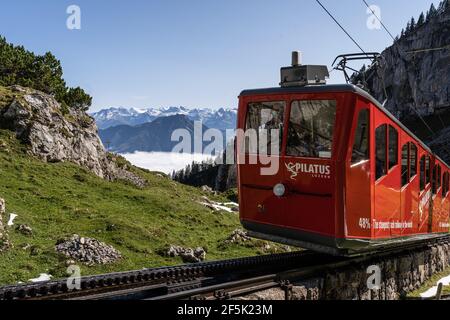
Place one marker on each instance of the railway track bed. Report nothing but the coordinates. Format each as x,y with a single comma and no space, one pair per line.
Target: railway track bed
218,280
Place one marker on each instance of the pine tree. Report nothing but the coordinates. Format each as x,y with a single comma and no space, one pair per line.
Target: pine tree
21,67
408,28
433,12
446,5
412,24
421,20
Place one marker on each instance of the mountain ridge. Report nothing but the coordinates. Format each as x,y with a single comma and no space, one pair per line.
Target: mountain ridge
153,136
222,118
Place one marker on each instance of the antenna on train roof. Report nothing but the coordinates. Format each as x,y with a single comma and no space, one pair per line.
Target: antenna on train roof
341,64
302,75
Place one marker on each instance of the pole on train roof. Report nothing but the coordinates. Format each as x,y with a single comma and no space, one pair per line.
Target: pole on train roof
296,58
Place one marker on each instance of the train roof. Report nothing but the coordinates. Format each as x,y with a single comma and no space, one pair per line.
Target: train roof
350,88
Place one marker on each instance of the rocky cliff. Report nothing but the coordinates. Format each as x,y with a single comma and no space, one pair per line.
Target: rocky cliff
57,134
415,71
415,78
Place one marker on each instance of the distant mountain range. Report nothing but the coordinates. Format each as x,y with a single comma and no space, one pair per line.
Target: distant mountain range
125,130
221,119
154,136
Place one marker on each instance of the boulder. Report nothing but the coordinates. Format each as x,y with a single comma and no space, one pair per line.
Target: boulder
238,236
188,255
24,229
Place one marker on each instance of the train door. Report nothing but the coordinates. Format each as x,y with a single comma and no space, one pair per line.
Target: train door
437,198
387,178
259,158
308,163
409,188
445,202
424,194
358,213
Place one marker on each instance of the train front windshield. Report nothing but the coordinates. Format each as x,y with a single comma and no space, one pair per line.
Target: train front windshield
310,124
311,127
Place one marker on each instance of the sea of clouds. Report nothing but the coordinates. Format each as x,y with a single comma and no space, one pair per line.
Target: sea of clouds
164,162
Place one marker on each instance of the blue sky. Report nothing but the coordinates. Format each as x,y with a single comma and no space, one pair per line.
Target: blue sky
196,53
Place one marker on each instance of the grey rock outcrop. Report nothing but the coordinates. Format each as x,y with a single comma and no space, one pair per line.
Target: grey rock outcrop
24,229
238,236
87,251
56,135
417,80
188,255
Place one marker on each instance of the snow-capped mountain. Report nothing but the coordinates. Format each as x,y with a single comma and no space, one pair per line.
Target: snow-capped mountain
221,119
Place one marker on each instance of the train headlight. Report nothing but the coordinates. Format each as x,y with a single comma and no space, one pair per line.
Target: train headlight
279,190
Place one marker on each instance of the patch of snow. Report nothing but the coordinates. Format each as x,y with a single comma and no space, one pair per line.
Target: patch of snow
217,206
12,216
234,204
433,291
220,207
42,278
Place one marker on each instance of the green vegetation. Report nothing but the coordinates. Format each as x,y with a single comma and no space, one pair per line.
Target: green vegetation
431,283
58,200
432,13
44,73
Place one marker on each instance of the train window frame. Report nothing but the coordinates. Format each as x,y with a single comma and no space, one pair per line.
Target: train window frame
439,180
383,128
435,184
403,174
332,102
422,184
446,186
412,146
392,165
428,171
284,103
411,158
357,155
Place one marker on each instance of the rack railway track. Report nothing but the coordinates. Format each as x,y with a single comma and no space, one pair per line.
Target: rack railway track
218,280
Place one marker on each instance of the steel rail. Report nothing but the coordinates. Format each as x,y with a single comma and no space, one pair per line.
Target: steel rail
99,284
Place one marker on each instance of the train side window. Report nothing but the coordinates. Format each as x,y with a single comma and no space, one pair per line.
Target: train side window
405,167
422,173
439,178
427,170
412,160
380,153
434,180
445,186
263,118
311,129
393,147
361,144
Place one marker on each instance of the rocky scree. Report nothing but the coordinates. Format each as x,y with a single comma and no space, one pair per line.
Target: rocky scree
87,250
188,255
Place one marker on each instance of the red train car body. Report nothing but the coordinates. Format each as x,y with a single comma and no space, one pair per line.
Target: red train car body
351,177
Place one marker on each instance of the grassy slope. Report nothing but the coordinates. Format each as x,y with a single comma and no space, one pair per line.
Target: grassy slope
59,200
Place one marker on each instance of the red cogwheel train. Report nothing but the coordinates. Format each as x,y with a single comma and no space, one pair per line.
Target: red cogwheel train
351,177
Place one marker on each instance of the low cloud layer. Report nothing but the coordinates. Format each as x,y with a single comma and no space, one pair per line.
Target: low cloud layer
163,161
